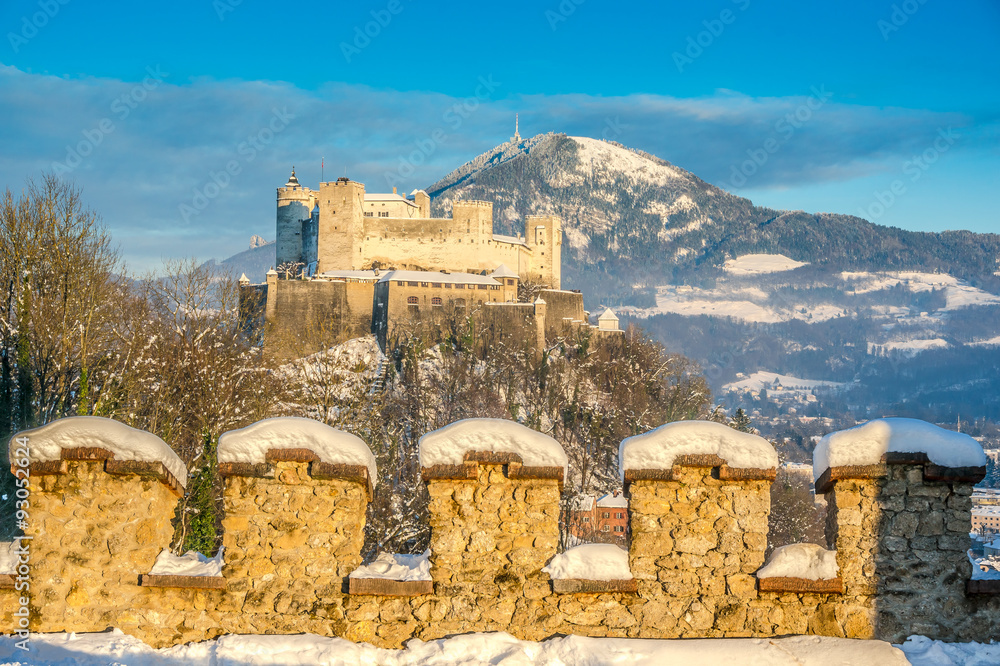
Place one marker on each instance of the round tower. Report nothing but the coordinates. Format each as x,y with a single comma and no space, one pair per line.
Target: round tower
295,206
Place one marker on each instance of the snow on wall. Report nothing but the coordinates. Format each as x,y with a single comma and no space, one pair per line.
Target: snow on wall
251,444
448,445
590,561
393,566
658,448
191,563
865,444
47,442
801,560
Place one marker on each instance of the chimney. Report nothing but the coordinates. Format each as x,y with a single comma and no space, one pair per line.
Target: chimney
393,190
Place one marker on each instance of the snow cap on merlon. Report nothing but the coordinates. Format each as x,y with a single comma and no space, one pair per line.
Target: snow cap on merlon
330,445
866,444
125,443
659,449
450,444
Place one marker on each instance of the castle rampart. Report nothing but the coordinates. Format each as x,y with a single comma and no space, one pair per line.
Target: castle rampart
295,498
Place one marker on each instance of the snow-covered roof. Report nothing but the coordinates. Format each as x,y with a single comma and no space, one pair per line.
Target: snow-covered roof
448,445
251,444
613,502
801,560
388,196
127,443
430,276
864,445
357,275
658,448
590,561
503,272
607,315
582,503
513,240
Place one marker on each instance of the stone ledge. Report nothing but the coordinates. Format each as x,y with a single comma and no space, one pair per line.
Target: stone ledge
584,586
931,471
982,587
188,582
801,585
389,588
6,581
703,460
153,469
824,483
469,469
317,468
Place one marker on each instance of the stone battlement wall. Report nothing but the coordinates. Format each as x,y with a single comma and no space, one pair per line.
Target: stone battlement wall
294,529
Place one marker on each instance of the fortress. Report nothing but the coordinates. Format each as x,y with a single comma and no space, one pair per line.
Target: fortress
350,263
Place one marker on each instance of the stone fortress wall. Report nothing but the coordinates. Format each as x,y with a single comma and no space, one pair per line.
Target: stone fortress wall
294,527
341,227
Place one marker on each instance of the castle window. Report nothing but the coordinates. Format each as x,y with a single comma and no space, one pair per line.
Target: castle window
606,528
412,284
436,285
447,285
619,528
412,300
423,284
510,283
619,515
481,286
459,286
459,302
606,514
369,214
436,302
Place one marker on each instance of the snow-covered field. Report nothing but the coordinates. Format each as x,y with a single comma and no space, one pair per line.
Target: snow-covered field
757,264
762,379
747,292
500,649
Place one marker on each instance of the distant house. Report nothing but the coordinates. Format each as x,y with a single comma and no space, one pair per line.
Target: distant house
603,520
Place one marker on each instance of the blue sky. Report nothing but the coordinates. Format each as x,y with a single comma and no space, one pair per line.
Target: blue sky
888,110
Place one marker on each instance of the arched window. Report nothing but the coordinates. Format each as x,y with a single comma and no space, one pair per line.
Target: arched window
436,302
412,300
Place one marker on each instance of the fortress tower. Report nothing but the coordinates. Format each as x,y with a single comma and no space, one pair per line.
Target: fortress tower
297,222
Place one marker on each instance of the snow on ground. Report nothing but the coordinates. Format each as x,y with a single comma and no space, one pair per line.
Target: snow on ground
757,264
393,566
498,649
912,347
46,443
251,444
448,445
657,448
592,561
762,379
922,651
864,445
801,560
992,342
191,563
958,293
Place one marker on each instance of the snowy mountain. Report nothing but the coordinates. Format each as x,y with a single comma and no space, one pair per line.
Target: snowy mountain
862,320
633,222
